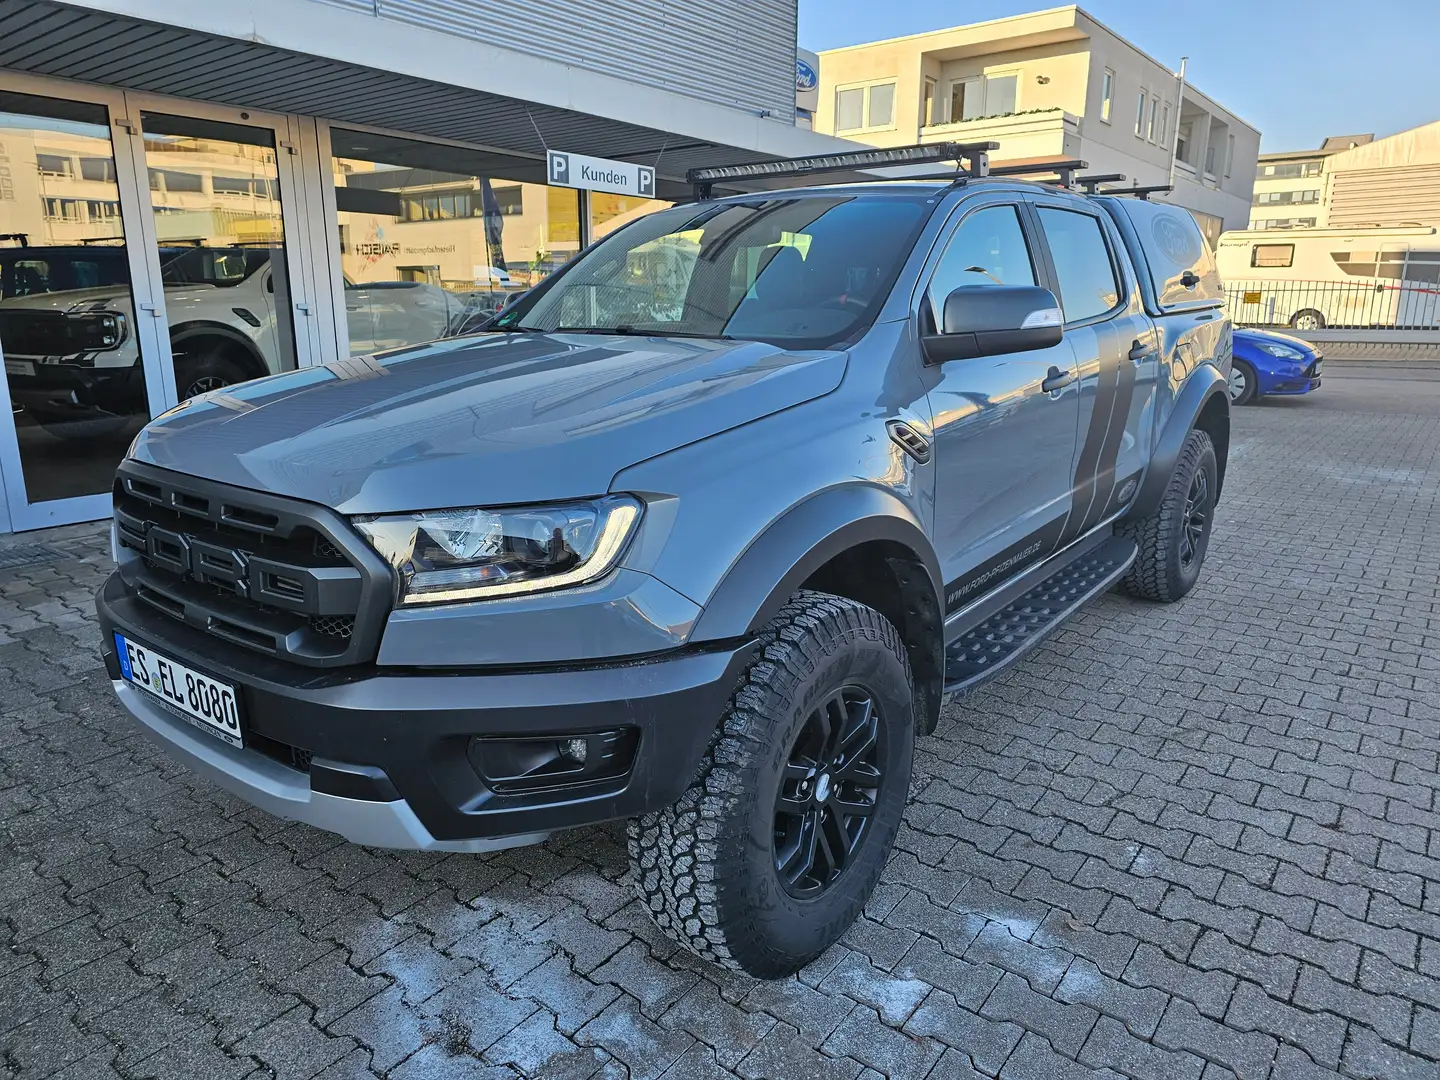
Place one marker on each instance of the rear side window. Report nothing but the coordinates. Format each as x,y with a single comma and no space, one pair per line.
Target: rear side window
988,248
1082,264
1272,255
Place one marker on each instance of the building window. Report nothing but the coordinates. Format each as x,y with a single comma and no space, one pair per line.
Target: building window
94,168
1290,170
1229,154
1152,131
982,96
860,107
1107,94
1277,255
849,110
1165,124
882,105
54,165
1210,159
928,108
1140,114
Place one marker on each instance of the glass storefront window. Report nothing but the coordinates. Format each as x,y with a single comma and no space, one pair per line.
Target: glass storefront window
67,327
215,193
609,212
428,247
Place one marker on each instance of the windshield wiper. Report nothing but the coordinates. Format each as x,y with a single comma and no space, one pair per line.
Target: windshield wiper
628,331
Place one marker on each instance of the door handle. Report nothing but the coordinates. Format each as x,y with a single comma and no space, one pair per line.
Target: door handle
1057,380
1139,351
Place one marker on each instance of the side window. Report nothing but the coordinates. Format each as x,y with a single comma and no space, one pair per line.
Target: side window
1082,264
988,248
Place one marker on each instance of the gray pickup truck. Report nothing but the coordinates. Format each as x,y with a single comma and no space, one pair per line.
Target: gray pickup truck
699,533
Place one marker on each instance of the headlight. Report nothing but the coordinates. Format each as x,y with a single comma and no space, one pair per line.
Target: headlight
1285,352
443,556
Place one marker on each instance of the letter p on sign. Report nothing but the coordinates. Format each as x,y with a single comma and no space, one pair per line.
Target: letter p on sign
559,167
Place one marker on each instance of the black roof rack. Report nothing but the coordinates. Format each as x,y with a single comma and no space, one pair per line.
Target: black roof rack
1143,192
971,159
1092,183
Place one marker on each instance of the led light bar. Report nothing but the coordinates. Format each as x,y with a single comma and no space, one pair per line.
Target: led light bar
925,153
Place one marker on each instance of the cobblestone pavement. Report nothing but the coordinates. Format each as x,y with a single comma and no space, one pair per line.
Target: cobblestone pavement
1187,842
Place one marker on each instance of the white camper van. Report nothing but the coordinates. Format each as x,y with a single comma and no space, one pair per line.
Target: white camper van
1311,279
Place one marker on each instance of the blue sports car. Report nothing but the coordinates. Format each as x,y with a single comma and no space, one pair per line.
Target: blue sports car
1270,363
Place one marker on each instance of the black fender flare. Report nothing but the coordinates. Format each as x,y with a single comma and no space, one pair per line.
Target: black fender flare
186,331
797,544
1197,394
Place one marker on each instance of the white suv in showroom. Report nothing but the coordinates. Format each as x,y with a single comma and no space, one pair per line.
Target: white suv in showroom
67,326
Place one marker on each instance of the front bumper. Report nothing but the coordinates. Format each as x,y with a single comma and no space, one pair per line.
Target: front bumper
391,765
61,392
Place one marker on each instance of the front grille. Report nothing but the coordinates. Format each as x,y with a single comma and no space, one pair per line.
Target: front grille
266,573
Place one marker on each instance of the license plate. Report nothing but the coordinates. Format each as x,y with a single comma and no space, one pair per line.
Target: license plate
19,367
209,704
1318,366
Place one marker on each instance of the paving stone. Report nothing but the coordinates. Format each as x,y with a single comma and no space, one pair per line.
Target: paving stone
986,1043
865,1037
1111,1045
728,1030
1063,1025
473,1006
1138,1008
783,1055
1183,1028
646,1049
293,1047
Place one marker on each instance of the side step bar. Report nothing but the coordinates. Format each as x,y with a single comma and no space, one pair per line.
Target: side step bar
986,650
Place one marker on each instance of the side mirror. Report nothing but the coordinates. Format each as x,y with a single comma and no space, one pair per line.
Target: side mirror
988,320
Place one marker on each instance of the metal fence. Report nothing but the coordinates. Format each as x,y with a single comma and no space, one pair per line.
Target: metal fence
1333,305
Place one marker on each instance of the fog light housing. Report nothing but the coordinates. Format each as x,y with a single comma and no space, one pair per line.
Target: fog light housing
511,766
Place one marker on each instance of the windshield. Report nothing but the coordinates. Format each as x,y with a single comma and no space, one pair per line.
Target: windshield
222,266
802,272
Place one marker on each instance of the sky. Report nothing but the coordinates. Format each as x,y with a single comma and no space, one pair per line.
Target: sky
1298,70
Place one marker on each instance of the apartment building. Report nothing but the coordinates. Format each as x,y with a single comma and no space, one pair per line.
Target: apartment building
1047,85
1290,185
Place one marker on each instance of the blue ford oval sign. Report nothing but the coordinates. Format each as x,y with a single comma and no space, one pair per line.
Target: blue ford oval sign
805,77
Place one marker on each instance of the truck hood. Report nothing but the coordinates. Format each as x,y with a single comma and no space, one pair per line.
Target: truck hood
111,297
480,421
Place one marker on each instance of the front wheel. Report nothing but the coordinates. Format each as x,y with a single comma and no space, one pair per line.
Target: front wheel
208,369
1242,383
1171,543
772,852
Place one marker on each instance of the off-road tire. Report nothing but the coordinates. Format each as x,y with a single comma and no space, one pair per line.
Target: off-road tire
705,866
1158,572
209,368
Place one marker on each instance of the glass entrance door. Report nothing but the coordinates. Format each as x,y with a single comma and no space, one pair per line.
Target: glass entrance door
217,191
72,279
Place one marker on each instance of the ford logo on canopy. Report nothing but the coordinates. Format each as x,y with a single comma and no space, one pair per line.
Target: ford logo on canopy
805,77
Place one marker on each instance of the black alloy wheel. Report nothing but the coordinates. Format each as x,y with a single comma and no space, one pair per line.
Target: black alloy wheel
1197,516
828,792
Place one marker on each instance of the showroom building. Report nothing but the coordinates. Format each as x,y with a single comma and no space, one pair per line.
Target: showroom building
195,194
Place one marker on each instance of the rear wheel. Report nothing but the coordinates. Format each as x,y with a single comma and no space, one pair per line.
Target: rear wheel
1242,383
1307,319
772,852
1171,543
